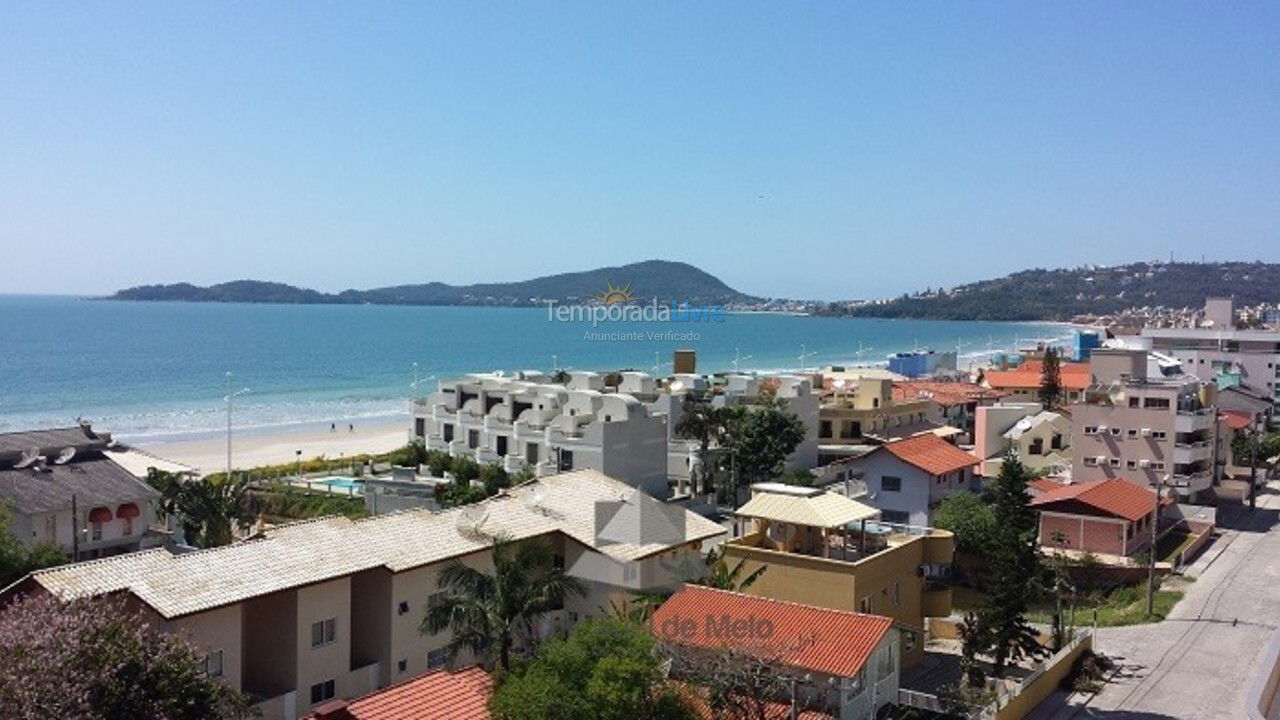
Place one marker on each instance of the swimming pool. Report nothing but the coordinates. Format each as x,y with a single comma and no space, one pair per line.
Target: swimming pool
339,482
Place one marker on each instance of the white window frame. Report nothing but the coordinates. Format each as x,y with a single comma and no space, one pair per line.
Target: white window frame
328,632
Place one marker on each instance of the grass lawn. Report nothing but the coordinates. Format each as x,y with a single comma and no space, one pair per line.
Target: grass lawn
1125,605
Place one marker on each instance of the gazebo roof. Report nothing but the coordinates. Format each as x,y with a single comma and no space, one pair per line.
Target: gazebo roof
813,507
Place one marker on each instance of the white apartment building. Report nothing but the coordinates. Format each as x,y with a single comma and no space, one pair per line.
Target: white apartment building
795,392
1251,357
527,421
310,611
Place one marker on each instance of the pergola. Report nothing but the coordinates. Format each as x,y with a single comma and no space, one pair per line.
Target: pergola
810,519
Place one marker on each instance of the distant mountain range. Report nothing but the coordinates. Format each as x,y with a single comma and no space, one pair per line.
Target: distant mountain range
664,280
1060,295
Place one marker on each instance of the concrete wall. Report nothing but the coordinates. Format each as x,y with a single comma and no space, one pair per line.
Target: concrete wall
270,644
217,629
331,661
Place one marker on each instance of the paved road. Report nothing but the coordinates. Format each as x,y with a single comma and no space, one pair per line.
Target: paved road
1199,662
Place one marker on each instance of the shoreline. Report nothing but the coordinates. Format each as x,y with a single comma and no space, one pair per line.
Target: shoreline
254,447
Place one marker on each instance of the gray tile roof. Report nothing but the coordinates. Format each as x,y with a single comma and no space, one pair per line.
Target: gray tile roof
95,480
316,550
80,437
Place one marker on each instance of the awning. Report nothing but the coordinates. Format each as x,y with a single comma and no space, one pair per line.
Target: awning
99,515
804,506
127,510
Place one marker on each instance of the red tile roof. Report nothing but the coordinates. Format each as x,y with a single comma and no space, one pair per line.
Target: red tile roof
834,642
931,454
1044,485
1237,420
1024,378
944,393
439,694
1119,498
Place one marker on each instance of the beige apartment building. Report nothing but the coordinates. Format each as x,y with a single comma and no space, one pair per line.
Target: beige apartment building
1143,428
314,610
855,414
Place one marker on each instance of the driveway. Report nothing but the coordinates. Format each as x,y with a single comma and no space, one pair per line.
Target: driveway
1197,663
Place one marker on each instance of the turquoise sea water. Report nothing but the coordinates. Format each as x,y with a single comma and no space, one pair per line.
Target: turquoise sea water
157,369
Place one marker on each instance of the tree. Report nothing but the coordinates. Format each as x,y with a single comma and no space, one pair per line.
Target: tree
92,658
972,521
16,559
1050,379
489,612
1013,572
703,423
606,669
759,439
208,509
723,577
740,683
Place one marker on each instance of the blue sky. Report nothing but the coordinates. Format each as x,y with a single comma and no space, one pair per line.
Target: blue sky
829,150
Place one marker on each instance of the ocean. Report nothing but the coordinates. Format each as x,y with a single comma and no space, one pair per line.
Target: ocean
157,371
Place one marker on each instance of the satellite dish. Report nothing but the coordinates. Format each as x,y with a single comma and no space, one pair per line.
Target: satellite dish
471,519
534,499
28,458
65,456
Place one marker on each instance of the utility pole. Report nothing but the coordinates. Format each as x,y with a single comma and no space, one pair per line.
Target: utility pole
1151,562
75,530
1253,465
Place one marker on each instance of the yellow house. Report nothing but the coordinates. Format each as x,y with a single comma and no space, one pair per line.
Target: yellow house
822,548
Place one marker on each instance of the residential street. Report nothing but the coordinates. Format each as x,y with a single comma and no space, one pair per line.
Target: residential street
1199,662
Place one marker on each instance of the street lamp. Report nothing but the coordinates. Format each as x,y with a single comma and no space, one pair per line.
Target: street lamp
228,398
738,357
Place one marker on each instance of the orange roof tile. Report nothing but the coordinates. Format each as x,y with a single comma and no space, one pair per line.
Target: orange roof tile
1044,485
944,393
835,642
439,694
931,454
1120,498
1025,378
1237,420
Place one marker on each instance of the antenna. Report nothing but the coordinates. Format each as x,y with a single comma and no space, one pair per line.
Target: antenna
28,458
65,456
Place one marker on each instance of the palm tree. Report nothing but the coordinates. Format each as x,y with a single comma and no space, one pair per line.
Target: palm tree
702,423
490,611
723,577
207,509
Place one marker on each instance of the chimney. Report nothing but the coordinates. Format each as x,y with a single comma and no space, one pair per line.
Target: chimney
684,362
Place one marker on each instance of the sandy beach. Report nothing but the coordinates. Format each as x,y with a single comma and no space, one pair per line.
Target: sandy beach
251,447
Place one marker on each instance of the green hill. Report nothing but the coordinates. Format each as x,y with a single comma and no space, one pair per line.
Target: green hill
1059,295
661,279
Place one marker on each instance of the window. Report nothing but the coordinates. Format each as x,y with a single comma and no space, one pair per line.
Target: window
557,561
402,608
1115,432
212,664
1157,465
502,445
895,517
1056,441
420,427
1134,401
1090,429
908,640
473,439
1131,464
323,633
889,483
1159,435
531,453
629,572
825,430
435,659
566,460
1090,461
1133,432
1115,462
402,665
1156,403
864,605
321,692
446,431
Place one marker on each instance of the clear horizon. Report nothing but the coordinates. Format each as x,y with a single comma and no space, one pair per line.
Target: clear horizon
810,152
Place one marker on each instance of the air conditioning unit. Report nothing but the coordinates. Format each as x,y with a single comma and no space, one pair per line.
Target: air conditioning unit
1101,459
1144,463
1102,428
1146,432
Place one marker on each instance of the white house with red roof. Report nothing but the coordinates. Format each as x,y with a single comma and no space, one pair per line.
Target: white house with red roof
906,479
843,663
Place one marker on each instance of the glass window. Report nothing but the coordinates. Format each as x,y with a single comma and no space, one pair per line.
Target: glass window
323,632
322,691
212,663
889,483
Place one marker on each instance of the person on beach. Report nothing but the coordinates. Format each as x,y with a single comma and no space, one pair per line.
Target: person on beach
351,428
333,427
